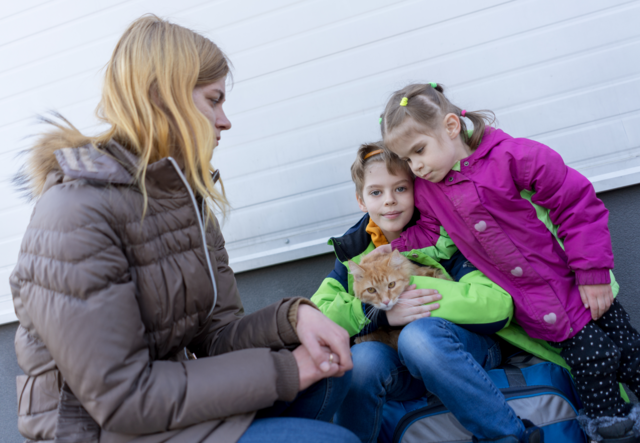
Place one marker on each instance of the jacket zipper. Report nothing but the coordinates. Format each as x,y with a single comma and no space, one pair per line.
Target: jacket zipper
202,232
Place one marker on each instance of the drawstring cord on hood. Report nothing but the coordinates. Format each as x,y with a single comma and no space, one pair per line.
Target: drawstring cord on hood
202,231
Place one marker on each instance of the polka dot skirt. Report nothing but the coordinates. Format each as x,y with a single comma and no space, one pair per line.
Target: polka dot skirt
604,353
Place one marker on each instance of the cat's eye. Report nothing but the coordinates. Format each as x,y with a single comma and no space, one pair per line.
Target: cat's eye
392,284
371,290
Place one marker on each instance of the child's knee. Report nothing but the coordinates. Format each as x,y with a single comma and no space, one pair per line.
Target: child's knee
372,362
425,341
423,333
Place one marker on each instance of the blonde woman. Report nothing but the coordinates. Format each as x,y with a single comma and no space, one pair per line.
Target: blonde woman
123,278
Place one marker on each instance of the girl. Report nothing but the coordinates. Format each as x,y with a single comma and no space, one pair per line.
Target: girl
123,276
534,226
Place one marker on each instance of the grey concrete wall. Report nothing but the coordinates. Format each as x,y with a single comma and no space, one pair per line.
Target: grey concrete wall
301,278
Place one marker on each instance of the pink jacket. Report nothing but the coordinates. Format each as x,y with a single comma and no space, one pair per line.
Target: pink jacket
481,208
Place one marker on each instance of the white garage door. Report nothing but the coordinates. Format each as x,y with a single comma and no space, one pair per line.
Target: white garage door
311,78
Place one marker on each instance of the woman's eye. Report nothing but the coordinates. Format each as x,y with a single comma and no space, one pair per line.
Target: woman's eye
214,101
419,151
371,290
392,284
401,189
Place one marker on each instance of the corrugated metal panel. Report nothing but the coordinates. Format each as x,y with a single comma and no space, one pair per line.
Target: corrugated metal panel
311,78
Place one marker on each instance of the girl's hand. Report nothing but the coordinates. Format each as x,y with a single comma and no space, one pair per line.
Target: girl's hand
411,305
384,249
322,337
309,372
598,298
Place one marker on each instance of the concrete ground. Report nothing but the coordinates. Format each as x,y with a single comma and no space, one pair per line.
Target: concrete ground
264,286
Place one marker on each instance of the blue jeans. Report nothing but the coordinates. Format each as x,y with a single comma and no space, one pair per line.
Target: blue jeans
305,419
433,355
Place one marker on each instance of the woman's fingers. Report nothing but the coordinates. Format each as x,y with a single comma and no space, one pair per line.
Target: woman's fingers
316,331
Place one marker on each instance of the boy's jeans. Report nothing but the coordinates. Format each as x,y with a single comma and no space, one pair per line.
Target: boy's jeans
434,355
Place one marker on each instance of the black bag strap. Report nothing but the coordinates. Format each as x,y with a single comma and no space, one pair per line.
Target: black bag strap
515,377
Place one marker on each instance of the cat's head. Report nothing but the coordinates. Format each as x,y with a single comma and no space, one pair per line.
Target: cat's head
379,279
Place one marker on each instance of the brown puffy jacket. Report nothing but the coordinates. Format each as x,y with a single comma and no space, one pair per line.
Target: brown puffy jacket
112,303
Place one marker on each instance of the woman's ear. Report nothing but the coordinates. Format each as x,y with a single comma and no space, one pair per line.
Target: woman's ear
361,204
452,125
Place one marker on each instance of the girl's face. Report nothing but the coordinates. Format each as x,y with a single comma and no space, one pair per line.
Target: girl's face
387,198
209,100
430,156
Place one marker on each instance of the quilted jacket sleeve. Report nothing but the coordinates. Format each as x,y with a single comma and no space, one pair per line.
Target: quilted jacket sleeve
581,216
231,330
75,285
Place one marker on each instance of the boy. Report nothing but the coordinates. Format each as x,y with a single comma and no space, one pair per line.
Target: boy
444,347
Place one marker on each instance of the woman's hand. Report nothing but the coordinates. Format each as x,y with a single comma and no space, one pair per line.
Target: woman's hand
322,337
411,305
309,372
598,298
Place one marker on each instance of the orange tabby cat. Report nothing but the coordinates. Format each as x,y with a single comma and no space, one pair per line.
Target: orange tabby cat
379,280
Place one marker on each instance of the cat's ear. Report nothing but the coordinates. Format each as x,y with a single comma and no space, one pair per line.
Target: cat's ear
356,270
396,260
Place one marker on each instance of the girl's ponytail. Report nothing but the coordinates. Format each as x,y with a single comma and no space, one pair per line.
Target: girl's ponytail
480,120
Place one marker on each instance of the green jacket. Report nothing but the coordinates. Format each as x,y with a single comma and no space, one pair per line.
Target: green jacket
471,301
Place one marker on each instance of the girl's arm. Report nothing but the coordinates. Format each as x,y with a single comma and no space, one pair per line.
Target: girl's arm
426,236
581,217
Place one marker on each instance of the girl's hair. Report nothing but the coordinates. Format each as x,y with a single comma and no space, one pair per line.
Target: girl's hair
427,105
394,164
147,100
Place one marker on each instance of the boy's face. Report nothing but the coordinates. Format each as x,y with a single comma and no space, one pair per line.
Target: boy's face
387,198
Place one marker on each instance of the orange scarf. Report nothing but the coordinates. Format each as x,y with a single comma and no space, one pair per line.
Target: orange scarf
377,237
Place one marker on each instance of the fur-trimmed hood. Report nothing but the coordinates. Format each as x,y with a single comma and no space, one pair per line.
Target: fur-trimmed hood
64,151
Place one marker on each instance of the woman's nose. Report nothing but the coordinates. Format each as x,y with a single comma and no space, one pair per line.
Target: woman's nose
222,122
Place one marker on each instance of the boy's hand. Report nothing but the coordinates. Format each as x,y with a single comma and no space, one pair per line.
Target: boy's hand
598,298
384,249
411,306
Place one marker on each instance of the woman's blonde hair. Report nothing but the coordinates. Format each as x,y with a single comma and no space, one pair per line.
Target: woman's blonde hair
147,100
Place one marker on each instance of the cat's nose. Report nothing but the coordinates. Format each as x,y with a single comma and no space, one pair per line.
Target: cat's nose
386,303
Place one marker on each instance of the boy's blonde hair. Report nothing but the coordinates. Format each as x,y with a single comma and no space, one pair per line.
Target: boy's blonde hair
393,163
427,105
148,104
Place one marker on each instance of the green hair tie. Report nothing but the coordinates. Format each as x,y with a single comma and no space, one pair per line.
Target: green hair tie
404,101
434,85
380,120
